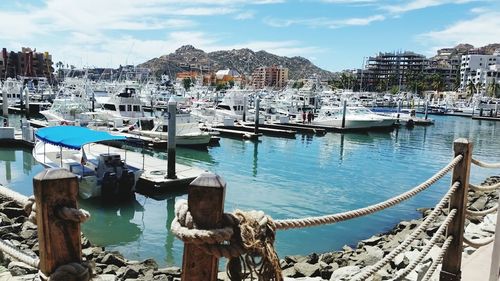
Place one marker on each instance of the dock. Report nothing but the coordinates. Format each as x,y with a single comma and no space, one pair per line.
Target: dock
227,131
487,118
153,181
250,127
304,130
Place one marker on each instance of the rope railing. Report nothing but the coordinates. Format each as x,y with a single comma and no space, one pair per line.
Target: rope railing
438,260
482,213
18,254
484,188
484,164
480,242
329,219
437,235
421,228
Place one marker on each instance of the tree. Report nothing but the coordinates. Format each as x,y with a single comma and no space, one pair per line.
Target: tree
493,90
436,82
231,83
470,89
220,86
186,83
298,85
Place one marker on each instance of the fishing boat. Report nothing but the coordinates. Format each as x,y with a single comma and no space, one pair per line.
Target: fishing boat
356,117
104,175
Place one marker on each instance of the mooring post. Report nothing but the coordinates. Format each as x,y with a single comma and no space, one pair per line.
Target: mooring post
495,256
172,110
206,204
59,240
426,110
452,259
344,109
257,105
27,101
5,104
245,108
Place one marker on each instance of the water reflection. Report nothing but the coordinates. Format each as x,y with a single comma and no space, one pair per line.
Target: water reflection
255,158
169,242
111,224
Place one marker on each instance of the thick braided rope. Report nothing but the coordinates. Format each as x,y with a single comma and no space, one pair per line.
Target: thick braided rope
72,214
427,247
13,195
484,164
18,254
328,219
184,228
439,259
485,188
476,243
401,247
471,213
72,271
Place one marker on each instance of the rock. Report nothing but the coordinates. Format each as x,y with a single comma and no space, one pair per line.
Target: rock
173,271
105,277
326,270
289,272
372,241
305,269
111,269
312,258
295,259
347,249
114,260
13,212
400,261
345,273
19,268
130,272
479,203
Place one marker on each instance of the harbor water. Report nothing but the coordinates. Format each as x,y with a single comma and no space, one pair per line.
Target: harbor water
290,178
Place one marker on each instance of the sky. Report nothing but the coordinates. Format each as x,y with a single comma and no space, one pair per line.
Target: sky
333,34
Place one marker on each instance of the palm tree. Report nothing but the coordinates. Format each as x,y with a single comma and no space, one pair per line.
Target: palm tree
436,82
493,90
470,89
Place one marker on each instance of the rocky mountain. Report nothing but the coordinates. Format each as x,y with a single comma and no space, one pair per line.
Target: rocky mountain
243,60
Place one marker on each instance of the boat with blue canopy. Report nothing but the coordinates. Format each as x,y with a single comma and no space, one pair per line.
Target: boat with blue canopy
104,175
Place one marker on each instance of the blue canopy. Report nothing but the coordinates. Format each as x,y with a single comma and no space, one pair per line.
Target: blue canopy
73,137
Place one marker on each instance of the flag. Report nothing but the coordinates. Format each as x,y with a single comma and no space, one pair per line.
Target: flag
84,158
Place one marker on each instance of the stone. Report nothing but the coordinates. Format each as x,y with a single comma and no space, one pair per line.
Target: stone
173,271
312,258
372,241
289,272
295,259
400,261
114,260
19,268
105,277
111,269
14,212
479,203
130,272
305,269
345,273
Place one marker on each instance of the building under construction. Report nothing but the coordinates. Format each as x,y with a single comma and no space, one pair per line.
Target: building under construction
26,63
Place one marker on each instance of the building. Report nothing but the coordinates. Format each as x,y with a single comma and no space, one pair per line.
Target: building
27,63
274,76
387,70
479,70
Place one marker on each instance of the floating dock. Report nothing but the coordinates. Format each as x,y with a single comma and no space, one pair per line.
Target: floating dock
488,118
153,181
250,127
304,130
231,132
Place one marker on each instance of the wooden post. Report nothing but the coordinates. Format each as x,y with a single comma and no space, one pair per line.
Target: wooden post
59,240
344,111
452,259
172,115
206,204
257,107
495,256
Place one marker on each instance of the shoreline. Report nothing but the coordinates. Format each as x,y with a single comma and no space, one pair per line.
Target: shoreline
334,265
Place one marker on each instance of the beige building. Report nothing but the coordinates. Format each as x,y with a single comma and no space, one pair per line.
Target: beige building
274,76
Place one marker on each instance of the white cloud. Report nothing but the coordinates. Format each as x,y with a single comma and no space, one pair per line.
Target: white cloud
246,15
325,22
481,30
421,4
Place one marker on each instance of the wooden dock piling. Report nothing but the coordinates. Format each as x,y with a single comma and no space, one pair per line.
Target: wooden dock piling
206,204
452,260
59,240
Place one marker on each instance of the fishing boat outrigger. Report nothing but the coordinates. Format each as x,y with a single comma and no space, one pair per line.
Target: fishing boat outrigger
105,175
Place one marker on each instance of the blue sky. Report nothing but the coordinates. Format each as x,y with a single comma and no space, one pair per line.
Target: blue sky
333,34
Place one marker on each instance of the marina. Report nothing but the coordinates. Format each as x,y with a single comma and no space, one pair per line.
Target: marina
321,172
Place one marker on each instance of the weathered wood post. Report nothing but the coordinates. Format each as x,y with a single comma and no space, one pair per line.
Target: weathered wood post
452,259
245,108
172,112
59,240
344,111
27,102
257,106
495,256
5,104
206,204
426,109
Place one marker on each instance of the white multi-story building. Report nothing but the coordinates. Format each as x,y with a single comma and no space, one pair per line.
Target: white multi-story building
479,70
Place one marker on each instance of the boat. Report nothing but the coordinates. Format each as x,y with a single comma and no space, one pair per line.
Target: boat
187,131
104,175
357,117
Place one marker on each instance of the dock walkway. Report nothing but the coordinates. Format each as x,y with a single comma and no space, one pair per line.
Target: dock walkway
477,265
153,180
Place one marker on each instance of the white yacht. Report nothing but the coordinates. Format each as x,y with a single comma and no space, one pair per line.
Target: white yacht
125,104
355,118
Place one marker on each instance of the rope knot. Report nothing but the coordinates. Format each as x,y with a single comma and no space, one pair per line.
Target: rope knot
245,238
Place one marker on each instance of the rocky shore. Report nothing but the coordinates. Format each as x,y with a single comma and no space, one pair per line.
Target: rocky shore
337,265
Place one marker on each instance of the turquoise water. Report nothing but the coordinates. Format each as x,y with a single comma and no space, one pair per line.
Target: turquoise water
289,178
